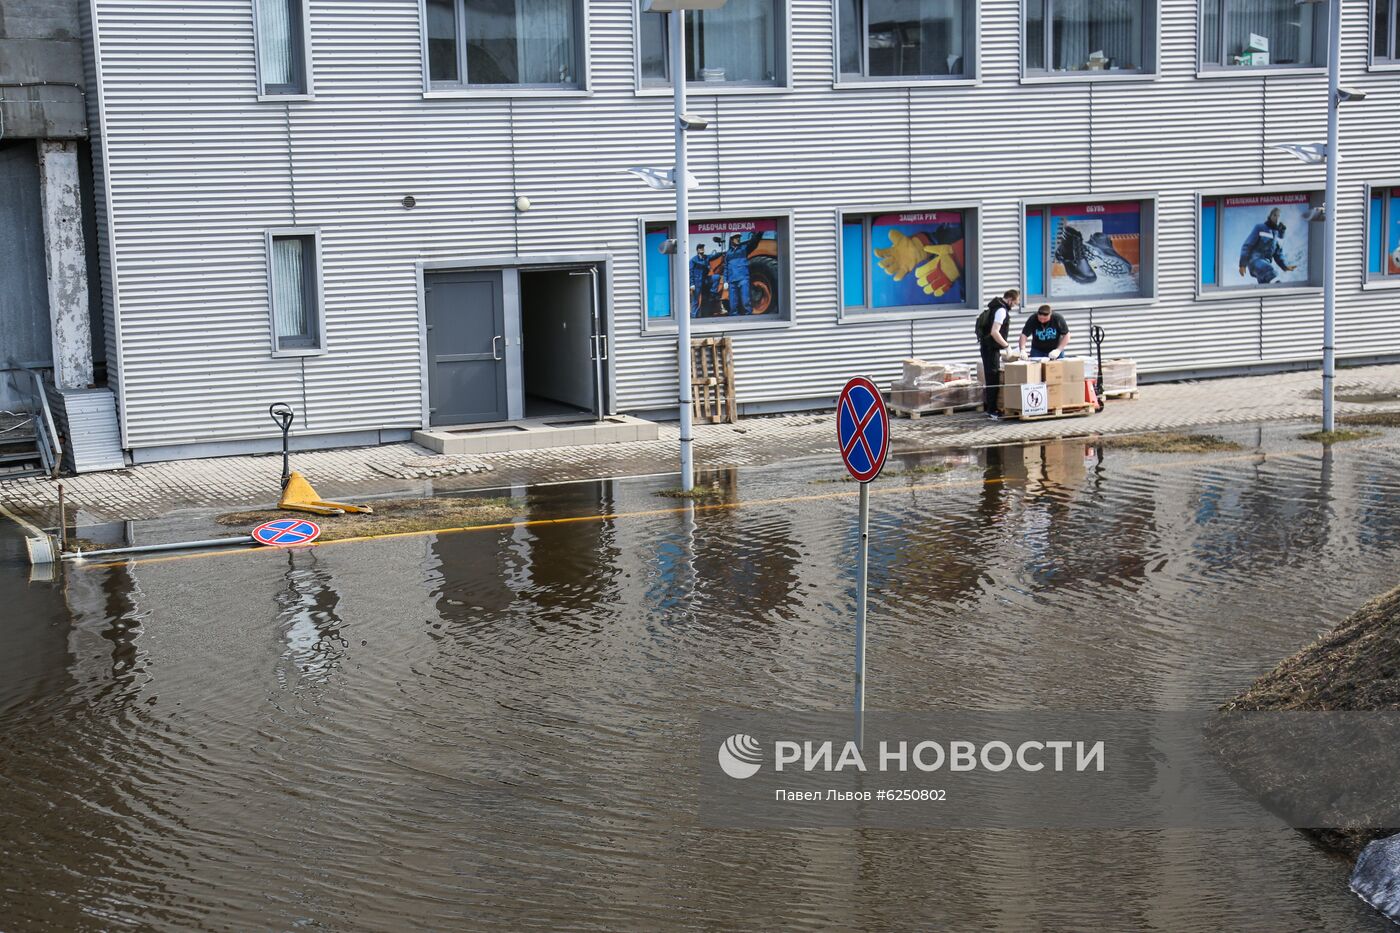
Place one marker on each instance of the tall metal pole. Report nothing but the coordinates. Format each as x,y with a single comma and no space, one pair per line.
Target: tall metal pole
680,278
1331,205
863,568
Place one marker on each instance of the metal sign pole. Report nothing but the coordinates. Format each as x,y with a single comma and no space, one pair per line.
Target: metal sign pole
863,433
862,572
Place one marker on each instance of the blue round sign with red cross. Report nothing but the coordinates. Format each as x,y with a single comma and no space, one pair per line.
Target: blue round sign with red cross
286,532
863,429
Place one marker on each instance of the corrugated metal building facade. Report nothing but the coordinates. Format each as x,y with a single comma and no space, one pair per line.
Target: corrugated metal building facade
193,169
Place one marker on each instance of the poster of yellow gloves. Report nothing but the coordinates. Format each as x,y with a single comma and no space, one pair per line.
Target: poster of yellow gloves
917,259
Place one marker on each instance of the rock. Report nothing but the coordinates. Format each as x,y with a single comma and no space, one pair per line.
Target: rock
1376,878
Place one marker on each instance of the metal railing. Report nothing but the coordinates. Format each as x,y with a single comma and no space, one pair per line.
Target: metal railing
28,384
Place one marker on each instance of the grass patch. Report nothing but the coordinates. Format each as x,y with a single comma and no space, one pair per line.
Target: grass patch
1377,419
1360,394
393,516
695,494
927,469
1171,443
1336,437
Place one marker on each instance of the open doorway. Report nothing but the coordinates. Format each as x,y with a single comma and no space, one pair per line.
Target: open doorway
561,362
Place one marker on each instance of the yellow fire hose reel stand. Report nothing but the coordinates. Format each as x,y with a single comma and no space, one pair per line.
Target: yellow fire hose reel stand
298,495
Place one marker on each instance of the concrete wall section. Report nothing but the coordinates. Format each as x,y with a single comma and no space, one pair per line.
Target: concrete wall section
41,70
200,168
65,252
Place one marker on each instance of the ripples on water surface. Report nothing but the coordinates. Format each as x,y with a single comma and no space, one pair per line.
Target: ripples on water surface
496,728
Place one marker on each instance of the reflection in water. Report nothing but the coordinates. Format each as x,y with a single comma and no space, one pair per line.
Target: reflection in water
306,615
495,728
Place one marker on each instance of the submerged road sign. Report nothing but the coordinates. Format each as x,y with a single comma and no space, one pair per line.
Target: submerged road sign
286,532
863,429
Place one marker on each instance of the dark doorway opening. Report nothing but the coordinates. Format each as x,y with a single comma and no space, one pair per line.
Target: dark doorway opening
562,359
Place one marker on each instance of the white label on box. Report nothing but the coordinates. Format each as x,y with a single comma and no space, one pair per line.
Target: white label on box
1034,398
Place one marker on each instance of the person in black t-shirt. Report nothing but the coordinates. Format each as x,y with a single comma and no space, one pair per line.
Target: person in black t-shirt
1048,333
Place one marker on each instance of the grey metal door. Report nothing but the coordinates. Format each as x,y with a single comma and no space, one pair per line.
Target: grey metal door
466,348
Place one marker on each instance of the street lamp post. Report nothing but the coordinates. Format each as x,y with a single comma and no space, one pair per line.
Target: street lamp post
680,178
680,278
1329,243
1312,153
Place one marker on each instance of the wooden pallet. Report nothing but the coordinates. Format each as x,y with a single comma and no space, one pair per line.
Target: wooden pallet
916,413
712,381
1120,393
1068,411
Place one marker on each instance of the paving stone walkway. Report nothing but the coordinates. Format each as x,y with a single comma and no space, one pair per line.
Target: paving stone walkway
156,490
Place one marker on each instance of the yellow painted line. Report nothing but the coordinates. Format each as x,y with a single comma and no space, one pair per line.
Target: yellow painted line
673,510
538,522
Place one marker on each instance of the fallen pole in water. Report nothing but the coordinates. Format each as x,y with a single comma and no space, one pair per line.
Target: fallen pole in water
153,548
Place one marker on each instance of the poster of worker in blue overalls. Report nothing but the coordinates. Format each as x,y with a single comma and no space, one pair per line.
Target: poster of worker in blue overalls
1271,233
739,275
1392,243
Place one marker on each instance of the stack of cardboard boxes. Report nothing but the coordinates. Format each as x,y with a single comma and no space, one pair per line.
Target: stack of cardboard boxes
935,385
1257,52
1063,381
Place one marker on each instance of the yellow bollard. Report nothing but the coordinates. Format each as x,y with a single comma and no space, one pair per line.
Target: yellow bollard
299,496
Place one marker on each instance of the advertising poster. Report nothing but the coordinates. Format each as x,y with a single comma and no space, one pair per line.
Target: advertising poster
917,259
1264,241
1392,240
734,268
658,273
1095,250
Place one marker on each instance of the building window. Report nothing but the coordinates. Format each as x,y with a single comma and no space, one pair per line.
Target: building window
1383,235
1089,36
503,43
294,291
737,269
1086,252
1257,241
281,47
916,260
1257,33
1385,25
903,39
738,43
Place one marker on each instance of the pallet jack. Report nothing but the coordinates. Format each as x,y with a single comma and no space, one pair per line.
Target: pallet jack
298,494
1096,335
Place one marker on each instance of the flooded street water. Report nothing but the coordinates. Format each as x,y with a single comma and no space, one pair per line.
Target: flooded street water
496,728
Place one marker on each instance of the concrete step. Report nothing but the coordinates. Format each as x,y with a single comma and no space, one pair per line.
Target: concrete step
535,434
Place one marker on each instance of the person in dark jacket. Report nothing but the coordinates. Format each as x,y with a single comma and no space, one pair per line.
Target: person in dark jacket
699,273
1263,248
736,270
993,328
